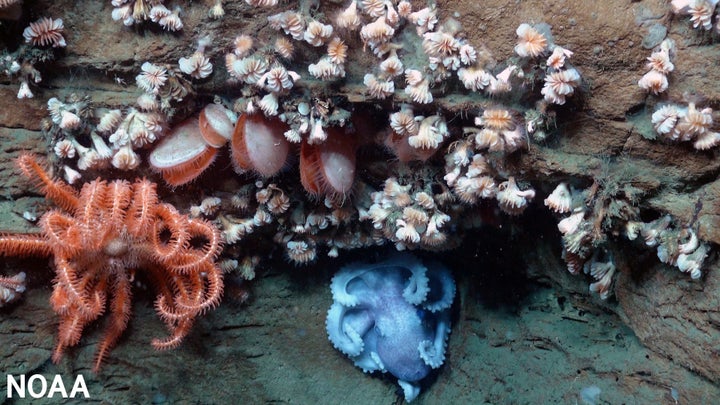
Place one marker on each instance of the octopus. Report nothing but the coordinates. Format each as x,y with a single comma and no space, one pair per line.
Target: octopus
393,316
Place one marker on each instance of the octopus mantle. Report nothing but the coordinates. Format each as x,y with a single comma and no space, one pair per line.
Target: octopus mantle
393,316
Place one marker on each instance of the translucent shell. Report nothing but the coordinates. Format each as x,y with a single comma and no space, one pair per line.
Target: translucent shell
328,169
215,125
259,144
183,155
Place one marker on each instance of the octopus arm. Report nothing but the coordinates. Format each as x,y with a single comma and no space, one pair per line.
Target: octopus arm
340,285
345,332
442,289
369,360
410,390
433,352
378,361
416,290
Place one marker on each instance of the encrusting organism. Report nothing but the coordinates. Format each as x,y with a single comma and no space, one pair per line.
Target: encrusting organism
216,11
166,83
560,200
411,216
45,32
113,140
262,3
561,80
9,3
655,80
511,199
11,287
132,12
197,65
43,37
700,11
99,237
587,220
676,246
531,43
676,123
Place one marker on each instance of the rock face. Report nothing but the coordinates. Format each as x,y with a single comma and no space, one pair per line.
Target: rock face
674,317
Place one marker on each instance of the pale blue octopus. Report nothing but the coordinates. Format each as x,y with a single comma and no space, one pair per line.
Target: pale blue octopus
393,316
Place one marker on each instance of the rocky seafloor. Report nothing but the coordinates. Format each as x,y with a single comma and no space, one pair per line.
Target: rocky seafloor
524,330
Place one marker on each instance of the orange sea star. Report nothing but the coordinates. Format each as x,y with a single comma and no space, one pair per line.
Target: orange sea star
99,237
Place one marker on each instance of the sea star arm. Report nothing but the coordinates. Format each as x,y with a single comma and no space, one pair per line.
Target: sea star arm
70,329
61,232
24,245
76,313
140,215
77,289
203,298
170,220
69,332
57,191
198,258
120,308
179,332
